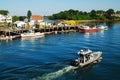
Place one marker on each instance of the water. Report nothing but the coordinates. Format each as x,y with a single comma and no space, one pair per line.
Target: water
48,58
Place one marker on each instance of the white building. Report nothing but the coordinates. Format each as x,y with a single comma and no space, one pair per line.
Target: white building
19,24
7,19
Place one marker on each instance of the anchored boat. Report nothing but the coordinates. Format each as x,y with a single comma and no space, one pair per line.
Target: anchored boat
31,34
103,27
85,29
87,56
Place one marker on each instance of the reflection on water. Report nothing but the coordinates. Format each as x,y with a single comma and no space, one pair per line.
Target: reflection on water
25,41
31,40
102,33
86,35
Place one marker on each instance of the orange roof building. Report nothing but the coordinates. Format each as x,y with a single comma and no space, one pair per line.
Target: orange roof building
36,17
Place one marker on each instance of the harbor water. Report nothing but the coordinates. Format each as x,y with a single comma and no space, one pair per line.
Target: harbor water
48,58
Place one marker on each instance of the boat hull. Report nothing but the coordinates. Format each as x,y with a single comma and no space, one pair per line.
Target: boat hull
96,57
32,35
88,30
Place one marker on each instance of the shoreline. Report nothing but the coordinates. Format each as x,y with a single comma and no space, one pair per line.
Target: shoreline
52,30
98,20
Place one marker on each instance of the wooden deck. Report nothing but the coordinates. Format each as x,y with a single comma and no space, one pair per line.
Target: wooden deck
51,30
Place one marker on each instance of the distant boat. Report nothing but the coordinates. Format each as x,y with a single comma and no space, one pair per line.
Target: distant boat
103,27
85,29
32,34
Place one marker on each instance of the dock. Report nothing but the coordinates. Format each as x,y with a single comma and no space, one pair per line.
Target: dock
5,35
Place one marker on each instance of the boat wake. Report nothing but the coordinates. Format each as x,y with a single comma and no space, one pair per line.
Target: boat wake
54,75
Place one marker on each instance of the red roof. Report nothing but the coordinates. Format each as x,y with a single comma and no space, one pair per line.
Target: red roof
36,17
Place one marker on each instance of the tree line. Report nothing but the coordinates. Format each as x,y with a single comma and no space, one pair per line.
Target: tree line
4,12
21,18
80,15
72,15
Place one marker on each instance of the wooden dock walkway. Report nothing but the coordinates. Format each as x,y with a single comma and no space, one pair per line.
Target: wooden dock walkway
46,30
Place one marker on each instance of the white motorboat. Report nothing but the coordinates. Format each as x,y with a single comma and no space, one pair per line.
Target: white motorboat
86,57
31,34
103,27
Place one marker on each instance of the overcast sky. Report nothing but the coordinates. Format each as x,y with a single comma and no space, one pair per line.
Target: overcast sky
48,7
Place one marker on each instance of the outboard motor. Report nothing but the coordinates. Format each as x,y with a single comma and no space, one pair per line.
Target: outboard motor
74,63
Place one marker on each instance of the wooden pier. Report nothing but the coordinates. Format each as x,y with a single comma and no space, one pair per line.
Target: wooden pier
46,30
53,30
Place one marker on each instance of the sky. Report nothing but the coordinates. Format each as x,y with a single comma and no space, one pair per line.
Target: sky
49,7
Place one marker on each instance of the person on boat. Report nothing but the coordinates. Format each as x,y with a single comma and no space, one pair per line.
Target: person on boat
86,53
80,53
87,57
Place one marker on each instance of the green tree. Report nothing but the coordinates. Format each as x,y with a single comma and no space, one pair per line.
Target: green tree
100,12
15,18
21,18
4,12
117,12
79,15
93,14
29,14
109,13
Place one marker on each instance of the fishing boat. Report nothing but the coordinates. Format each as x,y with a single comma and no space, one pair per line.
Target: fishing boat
31,34
85,29
87,57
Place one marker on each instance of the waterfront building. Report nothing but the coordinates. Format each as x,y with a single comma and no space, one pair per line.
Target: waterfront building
36,18
117,15
19,24
5,18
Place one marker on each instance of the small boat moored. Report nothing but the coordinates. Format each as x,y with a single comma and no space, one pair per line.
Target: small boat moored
31,34
86,29
87,56
103,27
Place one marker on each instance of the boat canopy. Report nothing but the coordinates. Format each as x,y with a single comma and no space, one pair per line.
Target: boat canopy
84,52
